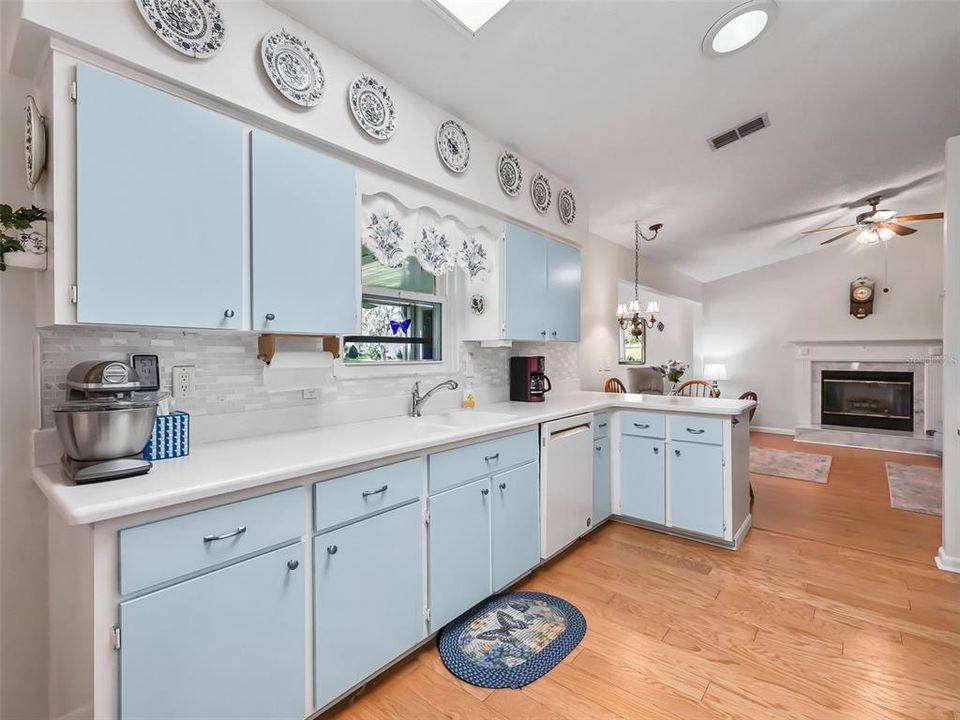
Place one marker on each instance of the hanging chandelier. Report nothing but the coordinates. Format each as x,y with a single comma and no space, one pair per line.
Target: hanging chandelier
629,315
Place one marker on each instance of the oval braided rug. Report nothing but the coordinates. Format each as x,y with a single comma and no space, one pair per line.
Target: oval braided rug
510,640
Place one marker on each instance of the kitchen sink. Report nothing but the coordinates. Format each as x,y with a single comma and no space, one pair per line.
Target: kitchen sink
465,418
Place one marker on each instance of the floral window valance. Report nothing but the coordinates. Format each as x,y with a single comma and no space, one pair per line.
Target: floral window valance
440,244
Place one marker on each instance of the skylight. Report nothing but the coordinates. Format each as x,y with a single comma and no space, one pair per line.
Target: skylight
472,14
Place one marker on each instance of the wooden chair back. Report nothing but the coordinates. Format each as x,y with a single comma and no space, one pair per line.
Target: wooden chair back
751,395
696,388
613,385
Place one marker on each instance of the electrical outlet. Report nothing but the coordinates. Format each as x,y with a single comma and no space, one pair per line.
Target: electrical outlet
311,393
184,381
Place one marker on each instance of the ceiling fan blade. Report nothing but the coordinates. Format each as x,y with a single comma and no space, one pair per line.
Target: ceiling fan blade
920,216
835,227
899,229
841,235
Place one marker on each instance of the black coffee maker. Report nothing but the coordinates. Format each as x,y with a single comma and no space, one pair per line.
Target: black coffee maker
528,382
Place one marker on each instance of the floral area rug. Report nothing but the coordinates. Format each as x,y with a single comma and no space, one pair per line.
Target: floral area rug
915,488
794,465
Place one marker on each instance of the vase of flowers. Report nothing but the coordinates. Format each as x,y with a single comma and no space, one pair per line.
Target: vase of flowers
673,370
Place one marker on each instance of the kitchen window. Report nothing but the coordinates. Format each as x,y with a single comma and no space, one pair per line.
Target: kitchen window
401,315
633,348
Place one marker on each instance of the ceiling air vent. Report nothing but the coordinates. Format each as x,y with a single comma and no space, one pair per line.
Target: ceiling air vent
739,132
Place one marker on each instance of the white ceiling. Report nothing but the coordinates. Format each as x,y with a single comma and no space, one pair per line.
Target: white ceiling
617,97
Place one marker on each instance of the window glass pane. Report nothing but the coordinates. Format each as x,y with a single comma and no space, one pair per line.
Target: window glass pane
409,276
633,347
395,330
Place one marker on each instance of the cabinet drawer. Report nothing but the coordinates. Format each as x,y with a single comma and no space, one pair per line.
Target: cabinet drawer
453,467
347,498
696,429
601,425
167,549
643,424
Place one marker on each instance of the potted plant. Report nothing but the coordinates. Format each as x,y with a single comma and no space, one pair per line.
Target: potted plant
673,370
16,227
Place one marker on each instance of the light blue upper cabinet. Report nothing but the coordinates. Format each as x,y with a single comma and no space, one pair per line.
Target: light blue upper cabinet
304,227
515,523
525,284
159,208
459,547
642,479
223,646
563,291
696,488
601,479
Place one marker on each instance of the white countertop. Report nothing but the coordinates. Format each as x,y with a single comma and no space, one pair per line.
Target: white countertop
223,467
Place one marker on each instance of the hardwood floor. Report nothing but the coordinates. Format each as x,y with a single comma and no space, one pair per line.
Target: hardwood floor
832,610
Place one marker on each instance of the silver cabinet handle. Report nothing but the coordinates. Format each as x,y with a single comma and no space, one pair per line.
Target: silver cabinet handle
553,333
293,564
641,426
332,549
503,486
693,431
485,491
491,458
270,316
225,536
656,451
368,493
543,332
597,448
228,313
602,425
677,453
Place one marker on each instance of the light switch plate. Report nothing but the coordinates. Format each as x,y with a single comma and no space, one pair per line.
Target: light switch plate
311,393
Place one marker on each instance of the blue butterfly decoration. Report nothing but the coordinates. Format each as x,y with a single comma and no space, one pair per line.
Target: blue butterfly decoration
400,326
504,632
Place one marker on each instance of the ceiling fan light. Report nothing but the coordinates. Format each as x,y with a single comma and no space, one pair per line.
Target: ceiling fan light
885,233
868,237
884,215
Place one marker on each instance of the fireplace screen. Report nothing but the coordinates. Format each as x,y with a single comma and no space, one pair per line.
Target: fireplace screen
882,400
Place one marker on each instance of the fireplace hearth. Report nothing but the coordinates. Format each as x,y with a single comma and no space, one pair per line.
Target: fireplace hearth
867,399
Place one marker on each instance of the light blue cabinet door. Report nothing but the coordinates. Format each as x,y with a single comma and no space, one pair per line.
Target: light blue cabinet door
525,285
367,598
159,208
563,291
642,479
601,479
459,547
515,523
223,646
696,488
304,230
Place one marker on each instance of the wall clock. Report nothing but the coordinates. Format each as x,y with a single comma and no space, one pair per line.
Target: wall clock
34,143
861,297
193,27
453,146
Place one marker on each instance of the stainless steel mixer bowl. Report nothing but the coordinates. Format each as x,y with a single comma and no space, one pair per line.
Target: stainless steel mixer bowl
104,430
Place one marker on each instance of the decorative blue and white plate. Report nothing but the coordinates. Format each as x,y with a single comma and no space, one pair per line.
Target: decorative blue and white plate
292,67
540,193
566,206
194,27
509,173
34,143
453,145
372,107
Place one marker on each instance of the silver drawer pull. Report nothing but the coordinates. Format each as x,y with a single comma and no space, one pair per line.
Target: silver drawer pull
293,564
693,431
226,536
602,425
641,426
597,448
677,453
491,458
368,493
332,549
656,451
503,486
485,491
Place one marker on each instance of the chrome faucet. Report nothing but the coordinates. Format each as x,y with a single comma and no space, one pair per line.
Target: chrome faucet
419,400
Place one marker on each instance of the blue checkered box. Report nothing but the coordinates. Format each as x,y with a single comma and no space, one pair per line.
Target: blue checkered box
170,437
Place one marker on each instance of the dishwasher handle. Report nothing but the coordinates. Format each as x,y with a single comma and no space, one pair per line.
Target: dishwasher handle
575,430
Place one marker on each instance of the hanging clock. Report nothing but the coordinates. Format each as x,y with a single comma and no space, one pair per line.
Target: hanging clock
34,143
453,146
861,297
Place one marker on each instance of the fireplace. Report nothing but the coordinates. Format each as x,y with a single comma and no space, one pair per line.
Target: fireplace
867,399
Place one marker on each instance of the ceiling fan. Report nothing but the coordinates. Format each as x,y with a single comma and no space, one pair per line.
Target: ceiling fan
877,224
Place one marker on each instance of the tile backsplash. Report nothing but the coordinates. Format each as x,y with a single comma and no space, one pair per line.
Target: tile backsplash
229,377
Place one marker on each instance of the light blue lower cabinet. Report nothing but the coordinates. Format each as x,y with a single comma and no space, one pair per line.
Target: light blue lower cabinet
515,523
367,598
223,646
601,479
696,488
459,550
642,479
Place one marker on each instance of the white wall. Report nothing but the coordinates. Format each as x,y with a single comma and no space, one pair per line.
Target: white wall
681,319
751,318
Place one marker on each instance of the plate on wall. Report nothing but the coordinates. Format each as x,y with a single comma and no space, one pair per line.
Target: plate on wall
453,145
540,193
292,67
509,173
34,143
193,27
372,107
566,206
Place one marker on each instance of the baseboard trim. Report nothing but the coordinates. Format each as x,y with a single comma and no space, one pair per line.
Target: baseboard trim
946,562
742,532
772,430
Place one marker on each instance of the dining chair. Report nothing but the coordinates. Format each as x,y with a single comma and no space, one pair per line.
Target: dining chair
751,395
697,388
613,385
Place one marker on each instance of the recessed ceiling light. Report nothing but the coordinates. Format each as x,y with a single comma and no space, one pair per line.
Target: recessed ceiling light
471,14
738,28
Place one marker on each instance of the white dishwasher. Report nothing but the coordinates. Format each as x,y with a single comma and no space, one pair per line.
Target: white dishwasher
566,481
